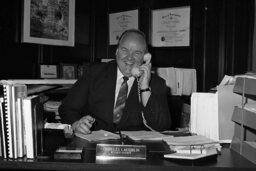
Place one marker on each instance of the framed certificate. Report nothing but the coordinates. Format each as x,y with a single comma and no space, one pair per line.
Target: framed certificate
48,71
121,21
171,27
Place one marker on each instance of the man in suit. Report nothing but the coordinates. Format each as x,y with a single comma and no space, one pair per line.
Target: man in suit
91,102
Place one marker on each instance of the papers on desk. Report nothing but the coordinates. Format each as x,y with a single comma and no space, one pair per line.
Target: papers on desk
192,147
204,118
59,126
134,135
144,135
192,156
189,140
98,135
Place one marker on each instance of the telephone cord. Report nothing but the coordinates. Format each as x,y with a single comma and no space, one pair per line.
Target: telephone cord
142,114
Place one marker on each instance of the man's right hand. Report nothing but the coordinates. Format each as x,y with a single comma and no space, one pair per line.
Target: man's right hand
83,125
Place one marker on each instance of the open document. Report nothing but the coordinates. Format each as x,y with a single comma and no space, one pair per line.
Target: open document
144,135
134,135
98,135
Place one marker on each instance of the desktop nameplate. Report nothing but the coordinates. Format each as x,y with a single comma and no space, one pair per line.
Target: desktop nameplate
117,151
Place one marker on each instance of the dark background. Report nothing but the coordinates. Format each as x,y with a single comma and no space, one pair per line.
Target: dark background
221,33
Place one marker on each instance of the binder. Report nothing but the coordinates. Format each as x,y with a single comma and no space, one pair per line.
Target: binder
192,147
3,129
19,91
34,124
192,156
195,149
9,124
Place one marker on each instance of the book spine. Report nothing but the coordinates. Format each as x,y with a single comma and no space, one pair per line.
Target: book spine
14,122
27,114
7,108
20,91
20,126
38,123
3,129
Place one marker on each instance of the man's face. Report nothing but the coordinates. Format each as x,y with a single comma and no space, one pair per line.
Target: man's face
130,52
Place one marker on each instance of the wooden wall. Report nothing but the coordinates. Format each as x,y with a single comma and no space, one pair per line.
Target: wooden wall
221,38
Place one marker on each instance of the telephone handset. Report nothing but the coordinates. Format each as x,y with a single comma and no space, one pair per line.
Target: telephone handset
136,70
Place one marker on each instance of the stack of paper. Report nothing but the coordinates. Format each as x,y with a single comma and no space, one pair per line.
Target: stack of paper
204,118
144,135
181,81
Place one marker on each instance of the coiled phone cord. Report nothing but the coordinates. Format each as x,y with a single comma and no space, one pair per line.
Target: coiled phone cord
142,114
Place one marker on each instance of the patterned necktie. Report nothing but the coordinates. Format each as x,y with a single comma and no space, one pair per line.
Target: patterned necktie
120,101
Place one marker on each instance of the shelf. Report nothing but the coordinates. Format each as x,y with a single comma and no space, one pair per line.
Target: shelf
244,116
249,87
249,150
236,144
39,81
249,118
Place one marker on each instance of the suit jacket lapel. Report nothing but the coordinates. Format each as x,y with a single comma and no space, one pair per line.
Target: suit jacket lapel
110,82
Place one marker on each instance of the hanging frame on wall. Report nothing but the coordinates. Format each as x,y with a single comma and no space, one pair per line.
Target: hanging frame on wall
121,21
49,22
170,27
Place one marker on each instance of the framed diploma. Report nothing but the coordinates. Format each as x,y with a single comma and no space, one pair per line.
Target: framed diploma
171,27
121,21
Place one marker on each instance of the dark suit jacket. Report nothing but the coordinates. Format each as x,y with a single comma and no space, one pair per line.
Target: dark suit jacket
94,94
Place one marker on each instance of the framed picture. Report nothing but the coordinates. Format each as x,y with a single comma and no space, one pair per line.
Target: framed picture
80,71
121,21
48,71
171,27
49,22
68,71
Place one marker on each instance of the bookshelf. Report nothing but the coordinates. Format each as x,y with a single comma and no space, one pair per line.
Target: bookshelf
22,115
244,117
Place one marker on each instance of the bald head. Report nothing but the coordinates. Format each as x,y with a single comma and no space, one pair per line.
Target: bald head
130,51
135,35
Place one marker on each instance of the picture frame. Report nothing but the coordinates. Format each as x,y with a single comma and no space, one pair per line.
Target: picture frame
170,27
68,71
121,21
49,22
48,71
82,68
80,71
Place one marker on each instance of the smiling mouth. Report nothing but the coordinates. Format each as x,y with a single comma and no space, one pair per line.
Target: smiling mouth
129,63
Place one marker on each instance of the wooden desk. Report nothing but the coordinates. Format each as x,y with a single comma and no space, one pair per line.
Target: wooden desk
228,160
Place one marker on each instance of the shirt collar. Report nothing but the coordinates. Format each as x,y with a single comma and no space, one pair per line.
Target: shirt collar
119,74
